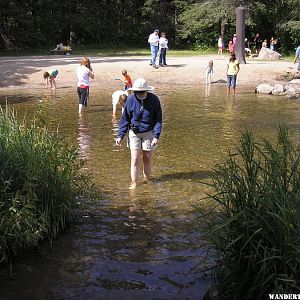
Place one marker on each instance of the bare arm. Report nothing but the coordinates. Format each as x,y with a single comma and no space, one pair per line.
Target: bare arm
91,74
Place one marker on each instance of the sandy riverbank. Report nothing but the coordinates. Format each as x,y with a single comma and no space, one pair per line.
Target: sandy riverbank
26,72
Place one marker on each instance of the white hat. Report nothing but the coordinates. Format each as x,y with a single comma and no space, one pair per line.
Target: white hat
141,85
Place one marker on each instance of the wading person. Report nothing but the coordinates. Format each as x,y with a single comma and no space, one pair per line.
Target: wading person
143,117
233,68
84,73
50,78
127,80
118,99
153,40
209,70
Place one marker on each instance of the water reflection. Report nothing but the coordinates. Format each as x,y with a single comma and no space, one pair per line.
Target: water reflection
83,138
207,90
144,243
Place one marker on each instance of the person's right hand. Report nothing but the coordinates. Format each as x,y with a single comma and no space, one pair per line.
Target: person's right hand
118,141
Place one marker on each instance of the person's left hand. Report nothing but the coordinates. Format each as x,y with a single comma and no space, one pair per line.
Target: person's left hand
154,142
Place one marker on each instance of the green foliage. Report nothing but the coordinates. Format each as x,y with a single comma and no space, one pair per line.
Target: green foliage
291,30
113,23
255,226
39,183
203,22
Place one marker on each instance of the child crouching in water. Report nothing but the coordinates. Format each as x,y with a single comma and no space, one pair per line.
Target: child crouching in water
118,98
50,78
209,70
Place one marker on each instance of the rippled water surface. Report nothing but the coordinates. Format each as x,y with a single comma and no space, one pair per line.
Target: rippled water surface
144,244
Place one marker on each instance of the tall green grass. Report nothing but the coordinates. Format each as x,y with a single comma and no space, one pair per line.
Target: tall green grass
255,224
39,182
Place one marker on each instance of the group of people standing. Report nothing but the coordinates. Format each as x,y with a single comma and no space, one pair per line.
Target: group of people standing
259,43
231,44
158,47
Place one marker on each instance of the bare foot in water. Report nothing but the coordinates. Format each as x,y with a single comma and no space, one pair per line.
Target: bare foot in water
145,180
132,186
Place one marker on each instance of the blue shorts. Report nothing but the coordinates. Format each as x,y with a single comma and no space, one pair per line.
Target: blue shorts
231,80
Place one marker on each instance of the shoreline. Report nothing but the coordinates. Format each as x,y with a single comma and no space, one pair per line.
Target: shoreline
26,72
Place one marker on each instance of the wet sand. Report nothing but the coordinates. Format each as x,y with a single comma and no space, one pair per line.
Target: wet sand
27,71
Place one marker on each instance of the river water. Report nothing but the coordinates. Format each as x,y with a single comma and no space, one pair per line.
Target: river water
144,244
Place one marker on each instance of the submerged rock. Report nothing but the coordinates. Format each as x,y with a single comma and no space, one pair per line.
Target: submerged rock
264,88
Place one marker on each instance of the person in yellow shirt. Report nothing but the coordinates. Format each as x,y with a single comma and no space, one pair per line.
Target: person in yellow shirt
233,67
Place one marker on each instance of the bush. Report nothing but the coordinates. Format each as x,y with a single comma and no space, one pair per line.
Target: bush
255,226
39,182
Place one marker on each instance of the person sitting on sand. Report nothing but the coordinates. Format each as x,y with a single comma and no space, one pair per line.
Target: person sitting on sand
118,98
50,78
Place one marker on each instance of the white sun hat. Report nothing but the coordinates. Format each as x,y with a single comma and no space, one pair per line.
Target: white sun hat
141,85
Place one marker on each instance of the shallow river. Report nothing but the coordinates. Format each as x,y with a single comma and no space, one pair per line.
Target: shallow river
144,244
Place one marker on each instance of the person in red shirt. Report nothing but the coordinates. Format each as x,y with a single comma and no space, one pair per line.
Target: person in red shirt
127,80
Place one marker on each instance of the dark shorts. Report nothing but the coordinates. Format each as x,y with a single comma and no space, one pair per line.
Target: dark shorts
231,80
83,95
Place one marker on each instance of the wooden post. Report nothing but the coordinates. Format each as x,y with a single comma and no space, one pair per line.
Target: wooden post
240,34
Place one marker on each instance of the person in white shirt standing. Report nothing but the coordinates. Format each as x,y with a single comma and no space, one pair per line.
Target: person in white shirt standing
163,47
153,40
84,73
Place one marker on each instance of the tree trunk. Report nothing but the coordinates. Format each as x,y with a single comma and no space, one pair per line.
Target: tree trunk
239,47
223,25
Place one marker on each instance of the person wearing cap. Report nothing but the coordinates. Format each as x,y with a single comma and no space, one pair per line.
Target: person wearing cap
297,56
153,40
143,117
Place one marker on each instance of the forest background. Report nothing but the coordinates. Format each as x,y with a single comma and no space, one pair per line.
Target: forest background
190,24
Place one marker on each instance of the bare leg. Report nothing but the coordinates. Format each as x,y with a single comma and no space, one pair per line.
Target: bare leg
114,110
147,164
80,109
134,168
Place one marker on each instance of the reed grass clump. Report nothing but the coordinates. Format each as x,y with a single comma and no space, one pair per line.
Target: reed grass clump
39,182
255,226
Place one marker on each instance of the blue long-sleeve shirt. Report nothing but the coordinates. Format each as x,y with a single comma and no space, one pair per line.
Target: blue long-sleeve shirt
148,118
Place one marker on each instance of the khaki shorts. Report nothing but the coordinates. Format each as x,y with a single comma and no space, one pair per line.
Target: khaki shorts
141,141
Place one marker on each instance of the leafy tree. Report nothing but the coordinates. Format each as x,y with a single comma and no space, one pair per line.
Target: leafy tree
203,21
44,23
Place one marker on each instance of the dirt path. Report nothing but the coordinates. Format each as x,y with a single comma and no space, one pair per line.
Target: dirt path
26,72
